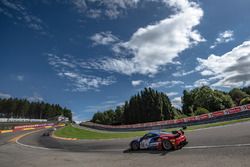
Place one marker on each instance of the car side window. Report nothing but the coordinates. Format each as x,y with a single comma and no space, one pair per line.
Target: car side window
149,135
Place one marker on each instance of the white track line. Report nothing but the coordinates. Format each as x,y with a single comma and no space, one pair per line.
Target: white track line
36,147
30,146
217,146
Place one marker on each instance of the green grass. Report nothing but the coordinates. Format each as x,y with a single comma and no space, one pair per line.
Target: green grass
217,124
72,132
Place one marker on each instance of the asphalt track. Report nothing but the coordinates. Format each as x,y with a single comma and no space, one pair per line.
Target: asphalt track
218,146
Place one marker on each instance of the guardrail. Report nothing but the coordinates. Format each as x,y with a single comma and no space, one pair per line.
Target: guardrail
32,127
21,120
231,113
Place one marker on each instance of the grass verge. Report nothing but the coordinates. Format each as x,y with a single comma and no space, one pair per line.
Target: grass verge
72,132
217,124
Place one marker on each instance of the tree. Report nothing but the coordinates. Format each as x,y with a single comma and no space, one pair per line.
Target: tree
118,115
245,100
22,108
187,101
200,111
146,106
237,95
246,90
205,97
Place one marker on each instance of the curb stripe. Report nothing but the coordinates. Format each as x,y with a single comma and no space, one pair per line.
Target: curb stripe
6,131
62,138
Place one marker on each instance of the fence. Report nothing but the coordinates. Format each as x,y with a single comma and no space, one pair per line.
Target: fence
227,114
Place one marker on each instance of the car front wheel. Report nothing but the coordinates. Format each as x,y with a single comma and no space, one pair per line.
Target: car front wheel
135,146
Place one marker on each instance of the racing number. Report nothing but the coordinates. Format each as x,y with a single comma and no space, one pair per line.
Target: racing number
144,143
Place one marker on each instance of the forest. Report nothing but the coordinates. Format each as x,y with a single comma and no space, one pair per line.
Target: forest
150,105
22,108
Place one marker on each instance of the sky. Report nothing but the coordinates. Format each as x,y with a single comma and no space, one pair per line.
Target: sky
92,55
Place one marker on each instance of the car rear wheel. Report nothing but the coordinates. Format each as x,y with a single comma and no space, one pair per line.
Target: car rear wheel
135,146
167,145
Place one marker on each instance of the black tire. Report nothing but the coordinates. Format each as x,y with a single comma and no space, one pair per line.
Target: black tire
135,146
167,145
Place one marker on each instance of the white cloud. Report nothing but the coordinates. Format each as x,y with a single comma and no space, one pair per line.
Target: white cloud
176,102
69,68
20,77
182,73
106,105
201,82
188,86
57,62
104,38
80,5
82,82
109,8
115,8
231,69
4,96
165,84
35,98
223,37
153,46
136,82
18,11
94,13
170,94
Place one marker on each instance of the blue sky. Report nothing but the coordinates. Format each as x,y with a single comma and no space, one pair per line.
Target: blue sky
92,55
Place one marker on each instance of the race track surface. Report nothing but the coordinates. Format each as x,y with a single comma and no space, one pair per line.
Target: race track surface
218,146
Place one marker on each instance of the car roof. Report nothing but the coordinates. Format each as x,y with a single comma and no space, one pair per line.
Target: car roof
158,132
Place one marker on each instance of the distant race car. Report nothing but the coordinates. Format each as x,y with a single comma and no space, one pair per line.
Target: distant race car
160,140
48,132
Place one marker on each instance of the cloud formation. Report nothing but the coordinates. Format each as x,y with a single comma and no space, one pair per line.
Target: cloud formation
231,69
35,98
104,38
152,47
4,96
20,77
109,8
68,68
16,10
170,94
167,84
176,102
136,82
106,105
223,37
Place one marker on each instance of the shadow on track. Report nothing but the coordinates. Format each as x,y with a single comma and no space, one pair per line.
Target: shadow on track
160,152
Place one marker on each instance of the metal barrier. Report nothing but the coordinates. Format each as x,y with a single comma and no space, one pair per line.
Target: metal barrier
21,120
227,114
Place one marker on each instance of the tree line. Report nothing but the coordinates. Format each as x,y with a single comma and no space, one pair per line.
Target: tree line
22,108
204,100
147,106
150,105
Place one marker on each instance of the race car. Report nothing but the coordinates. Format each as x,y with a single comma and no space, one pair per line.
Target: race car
160,140
48,132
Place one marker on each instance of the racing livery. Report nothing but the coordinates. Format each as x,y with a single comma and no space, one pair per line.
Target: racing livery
160,140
